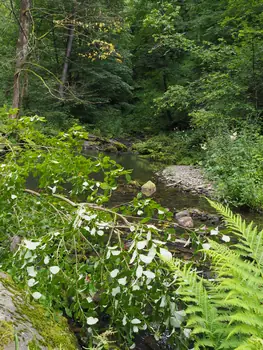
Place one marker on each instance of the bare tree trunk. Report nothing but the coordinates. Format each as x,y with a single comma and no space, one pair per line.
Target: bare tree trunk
22,50
71,30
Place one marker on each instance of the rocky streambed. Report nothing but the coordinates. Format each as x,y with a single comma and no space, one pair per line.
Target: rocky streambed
188,178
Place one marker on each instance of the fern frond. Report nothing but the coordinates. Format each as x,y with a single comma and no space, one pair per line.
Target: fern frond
252,343
250,237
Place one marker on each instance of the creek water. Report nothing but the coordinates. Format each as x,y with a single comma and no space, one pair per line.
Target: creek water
170,197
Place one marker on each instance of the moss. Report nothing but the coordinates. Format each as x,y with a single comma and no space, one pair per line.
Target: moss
55,334
110,148
6,333
120,146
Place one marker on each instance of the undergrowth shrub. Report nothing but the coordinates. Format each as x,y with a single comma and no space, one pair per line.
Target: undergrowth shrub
234,162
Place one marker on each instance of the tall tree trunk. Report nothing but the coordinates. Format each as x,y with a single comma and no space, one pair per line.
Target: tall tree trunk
71,30
22,50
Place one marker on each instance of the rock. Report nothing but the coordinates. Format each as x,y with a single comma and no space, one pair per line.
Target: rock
148,188
186,221
15,241
181,214
29,323
204,216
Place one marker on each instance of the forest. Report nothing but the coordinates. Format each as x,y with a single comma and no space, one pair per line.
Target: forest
90,256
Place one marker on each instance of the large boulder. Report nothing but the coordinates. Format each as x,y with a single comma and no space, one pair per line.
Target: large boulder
26,325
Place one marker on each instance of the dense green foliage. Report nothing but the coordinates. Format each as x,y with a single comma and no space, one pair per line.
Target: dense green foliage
183,78
77,256
149,69
107,267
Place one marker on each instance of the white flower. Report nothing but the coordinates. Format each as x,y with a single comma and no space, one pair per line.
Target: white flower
233,137
115,252
206,246
165,254
139,271
214,232
28,254
139,212
141,244
122,281
31,282
85,184
132,228
187,332
136,321
114,273
135,287
135,329
89,300
149,274
53,189
31,271
124,320
93,231
92,320
133,257
160,212
115,291
158,242
31,245
100,233
146,259
13,196
46,260
225,238
36,295
54,269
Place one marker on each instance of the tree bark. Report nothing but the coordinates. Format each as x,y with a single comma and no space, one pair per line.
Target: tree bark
22,50
71,30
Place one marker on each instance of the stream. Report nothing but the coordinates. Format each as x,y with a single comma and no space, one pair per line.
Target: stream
170,197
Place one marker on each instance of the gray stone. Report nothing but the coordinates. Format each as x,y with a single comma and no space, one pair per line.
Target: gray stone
182,214
186,221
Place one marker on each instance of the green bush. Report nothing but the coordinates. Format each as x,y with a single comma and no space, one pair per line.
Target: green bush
235,163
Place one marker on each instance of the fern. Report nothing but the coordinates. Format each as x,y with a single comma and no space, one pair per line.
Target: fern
228,313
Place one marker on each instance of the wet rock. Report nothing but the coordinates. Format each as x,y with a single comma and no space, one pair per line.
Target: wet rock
186,221
182,214
204,216
148,188
30,323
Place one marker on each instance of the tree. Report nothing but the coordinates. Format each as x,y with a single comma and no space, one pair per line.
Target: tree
22,51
